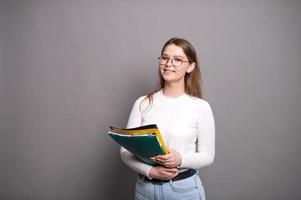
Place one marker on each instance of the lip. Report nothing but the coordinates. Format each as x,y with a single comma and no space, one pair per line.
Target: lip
168,70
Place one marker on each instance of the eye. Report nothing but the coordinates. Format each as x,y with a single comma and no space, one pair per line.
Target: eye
178,60
164,58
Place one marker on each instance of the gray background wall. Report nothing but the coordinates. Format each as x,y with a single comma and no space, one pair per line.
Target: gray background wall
69,69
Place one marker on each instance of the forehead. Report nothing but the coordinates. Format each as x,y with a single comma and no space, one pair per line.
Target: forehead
173,50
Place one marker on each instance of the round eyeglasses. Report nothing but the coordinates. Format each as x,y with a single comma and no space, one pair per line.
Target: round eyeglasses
176,62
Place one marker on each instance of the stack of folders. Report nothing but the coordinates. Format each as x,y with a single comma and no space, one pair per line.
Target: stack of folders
144,142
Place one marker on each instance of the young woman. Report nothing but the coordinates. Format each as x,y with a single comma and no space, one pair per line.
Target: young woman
186,123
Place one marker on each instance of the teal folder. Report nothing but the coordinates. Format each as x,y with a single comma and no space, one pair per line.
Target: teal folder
144,142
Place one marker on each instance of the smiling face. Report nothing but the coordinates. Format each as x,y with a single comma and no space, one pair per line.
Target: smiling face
168,71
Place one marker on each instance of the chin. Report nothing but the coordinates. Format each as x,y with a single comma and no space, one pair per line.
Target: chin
169,79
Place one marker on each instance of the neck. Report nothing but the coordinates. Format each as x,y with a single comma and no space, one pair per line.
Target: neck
173,89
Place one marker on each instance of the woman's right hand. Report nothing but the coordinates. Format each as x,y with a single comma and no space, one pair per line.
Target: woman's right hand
163,173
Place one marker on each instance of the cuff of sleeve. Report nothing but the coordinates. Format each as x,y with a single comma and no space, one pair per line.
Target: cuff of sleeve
147,172
183,163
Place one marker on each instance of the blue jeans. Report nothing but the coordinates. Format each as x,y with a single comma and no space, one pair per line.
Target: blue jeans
186,189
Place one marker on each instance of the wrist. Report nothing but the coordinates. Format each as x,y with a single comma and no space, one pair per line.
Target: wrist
150,173
180,160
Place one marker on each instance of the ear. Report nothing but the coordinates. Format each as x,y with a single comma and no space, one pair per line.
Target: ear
190,68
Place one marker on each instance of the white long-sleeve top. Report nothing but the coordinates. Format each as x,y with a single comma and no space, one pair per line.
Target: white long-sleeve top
186,124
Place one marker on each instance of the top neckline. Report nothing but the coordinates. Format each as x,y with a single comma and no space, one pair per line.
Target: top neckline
183,96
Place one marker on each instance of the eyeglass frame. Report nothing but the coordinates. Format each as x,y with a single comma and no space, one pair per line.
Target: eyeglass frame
172,59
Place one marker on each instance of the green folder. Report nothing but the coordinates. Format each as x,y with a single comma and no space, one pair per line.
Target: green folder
144,142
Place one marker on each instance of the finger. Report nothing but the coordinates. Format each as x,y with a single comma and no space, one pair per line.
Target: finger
162,163
169,175
170,165
165,164
155,157
171,170
164,157
158,159
176,174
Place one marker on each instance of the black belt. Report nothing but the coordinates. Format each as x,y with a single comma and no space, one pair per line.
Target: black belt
186,174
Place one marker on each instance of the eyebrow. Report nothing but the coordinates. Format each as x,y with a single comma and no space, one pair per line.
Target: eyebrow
176,56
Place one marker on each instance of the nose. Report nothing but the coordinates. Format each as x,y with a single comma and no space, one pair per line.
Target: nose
169,62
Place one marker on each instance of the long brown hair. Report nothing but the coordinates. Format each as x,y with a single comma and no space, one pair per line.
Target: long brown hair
192,80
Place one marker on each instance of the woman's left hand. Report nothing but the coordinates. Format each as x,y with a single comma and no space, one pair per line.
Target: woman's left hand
170,160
